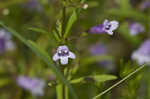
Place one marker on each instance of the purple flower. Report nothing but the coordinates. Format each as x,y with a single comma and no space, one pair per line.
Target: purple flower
142,55
6,44
98,49
145,5
136,28
63,54
106,27
33,5
98,29
34,85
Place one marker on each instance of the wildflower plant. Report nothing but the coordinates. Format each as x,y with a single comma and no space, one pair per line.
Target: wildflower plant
65,60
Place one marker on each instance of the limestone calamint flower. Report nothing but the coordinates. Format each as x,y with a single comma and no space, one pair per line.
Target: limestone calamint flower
34,85
63,54
107,27
6,44
136,28
142,55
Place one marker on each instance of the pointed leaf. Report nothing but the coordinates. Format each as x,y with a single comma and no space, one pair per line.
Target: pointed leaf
71,21
103,78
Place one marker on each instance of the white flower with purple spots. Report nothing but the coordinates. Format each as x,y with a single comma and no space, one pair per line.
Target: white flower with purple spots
142,55
34,85
109,27
63,54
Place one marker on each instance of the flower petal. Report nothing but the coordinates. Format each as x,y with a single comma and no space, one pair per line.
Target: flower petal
114,25
64,60
72,55
10,45
109,32
105,22
55,57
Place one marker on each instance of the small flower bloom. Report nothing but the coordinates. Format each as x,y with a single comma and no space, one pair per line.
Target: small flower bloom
35,85
98,29
136,28
107,27
142,55
145,5
6,44
63,54
100,49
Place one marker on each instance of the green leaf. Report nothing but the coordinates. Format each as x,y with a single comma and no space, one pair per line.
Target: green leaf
56,36
71,21
96,78
44,56
38,30
103,78
59,28
78,80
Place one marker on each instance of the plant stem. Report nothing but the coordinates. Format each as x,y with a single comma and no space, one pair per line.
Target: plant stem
63,18
59,91
66,93
125,78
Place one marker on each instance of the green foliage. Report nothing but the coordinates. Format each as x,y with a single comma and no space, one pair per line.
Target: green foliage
96,78
41,53
72,19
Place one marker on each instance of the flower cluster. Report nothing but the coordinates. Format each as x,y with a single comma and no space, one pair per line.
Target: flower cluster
35,85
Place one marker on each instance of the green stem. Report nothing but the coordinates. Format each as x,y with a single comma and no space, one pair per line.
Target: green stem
125,78
66,93
59,91
63,18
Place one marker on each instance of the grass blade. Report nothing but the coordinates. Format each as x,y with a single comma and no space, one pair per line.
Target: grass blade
125,78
